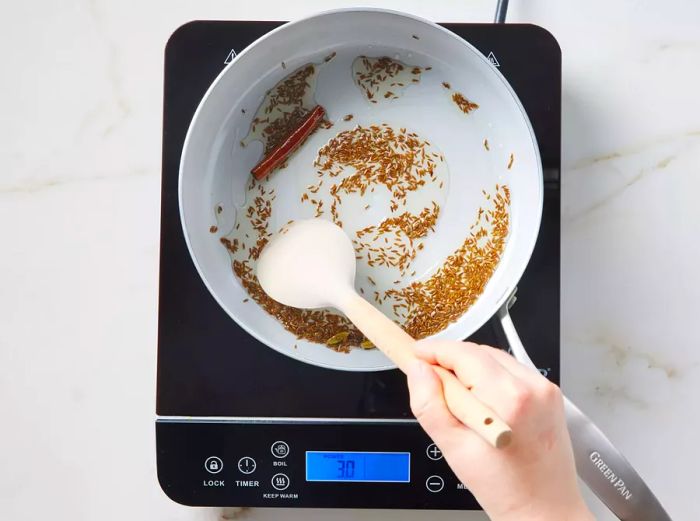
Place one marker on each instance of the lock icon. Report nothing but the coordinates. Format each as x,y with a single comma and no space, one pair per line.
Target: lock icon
213,465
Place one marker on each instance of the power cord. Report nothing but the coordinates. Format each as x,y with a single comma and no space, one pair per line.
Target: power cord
501,10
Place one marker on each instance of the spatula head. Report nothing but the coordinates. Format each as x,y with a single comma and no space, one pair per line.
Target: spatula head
308,264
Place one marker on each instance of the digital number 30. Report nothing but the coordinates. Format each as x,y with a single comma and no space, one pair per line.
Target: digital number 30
346,469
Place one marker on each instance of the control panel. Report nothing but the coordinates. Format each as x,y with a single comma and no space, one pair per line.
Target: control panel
310,464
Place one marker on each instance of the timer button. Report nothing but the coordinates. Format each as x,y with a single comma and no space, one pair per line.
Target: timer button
280,449
246,465
435,484
280,481
433,452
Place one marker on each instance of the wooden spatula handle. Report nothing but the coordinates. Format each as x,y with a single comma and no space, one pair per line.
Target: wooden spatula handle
472,412
397,345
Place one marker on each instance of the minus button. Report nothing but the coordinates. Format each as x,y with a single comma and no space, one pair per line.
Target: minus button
435,484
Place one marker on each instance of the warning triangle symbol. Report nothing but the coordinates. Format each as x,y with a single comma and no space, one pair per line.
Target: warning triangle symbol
230,57
493,60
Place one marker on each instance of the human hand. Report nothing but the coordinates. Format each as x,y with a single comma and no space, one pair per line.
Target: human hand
534,478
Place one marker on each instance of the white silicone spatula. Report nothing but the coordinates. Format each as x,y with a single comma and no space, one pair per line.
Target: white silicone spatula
311,264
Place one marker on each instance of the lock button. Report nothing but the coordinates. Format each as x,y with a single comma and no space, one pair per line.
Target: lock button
213,465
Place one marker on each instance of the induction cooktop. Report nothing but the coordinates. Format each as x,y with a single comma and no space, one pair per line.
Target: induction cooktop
241,424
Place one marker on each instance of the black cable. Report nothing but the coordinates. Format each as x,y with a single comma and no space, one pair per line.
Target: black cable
501,10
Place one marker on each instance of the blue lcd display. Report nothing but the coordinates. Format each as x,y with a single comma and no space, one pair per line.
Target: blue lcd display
387,467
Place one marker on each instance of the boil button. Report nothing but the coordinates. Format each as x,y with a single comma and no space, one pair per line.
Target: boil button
280,449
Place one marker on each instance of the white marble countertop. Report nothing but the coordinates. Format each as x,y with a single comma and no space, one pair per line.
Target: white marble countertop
80,106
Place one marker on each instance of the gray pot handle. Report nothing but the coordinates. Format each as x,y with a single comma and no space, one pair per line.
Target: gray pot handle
598,463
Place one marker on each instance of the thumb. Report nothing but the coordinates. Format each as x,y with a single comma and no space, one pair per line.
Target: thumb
429,407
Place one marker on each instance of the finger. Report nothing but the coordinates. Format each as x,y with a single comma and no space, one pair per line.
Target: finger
481,373
533,380
429,408
513,366
469,361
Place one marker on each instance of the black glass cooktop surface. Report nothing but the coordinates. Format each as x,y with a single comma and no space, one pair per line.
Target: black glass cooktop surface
209,366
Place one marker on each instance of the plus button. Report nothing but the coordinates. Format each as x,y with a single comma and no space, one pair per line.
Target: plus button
433,452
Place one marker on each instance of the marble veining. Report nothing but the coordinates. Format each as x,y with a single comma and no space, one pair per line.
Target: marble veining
79,213
114,72
43,184
627,167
